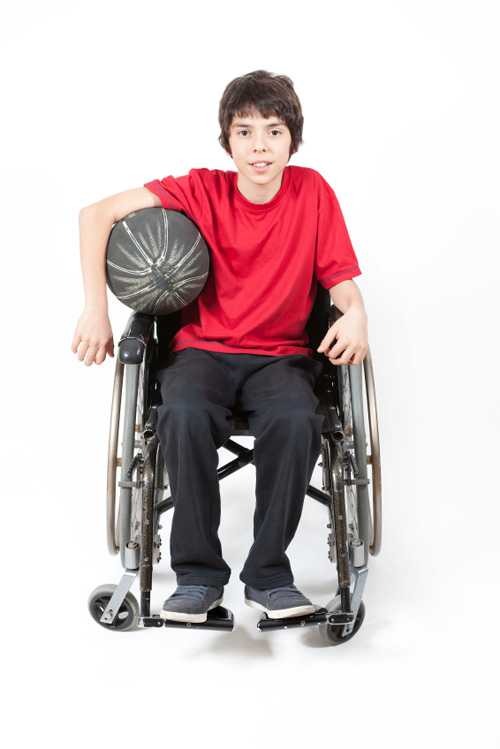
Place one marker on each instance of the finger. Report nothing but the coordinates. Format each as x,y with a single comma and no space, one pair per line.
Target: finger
328,339
90,355
337,350
344,359
82,349
75,342
101,354
324,345
360,356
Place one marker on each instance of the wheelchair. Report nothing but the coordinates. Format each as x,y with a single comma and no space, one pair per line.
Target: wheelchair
354,518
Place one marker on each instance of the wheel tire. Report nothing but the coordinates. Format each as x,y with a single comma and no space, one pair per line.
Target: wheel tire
128,616
331,632
365,421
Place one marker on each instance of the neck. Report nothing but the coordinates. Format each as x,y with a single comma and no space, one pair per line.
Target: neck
257,193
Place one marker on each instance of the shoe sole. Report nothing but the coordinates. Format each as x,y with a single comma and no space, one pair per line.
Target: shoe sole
180,616
282,613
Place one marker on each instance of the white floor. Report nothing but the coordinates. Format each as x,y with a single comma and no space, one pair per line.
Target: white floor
416,674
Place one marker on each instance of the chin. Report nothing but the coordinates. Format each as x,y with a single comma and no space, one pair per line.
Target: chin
268,175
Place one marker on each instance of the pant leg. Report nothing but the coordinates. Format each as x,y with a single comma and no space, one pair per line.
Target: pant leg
281,402
194,420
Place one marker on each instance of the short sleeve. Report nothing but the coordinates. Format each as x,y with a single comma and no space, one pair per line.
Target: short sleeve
336,260
186,193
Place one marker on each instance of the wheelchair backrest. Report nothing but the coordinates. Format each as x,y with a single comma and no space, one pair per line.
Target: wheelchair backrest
316,326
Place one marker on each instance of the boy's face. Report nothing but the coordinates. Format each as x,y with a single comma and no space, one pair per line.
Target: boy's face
254,139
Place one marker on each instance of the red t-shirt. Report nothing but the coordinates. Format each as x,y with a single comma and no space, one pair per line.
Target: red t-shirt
265,259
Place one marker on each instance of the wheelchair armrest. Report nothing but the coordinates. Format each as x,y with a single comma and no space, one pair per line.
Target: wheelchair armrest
135,337
333,314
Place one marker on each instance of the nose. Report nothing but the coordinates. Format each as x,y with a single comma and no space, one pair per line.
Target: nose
260,149
259,143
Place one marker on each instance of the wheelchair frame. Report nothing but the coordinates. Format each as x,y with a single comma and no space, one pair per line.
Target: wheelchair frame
355,530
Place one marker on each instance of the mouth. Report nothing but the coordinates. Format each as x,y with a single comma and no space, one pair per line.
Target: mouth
260,166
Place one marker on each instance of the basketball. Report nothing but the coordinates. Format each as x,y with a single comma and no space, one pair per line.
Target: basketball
156,261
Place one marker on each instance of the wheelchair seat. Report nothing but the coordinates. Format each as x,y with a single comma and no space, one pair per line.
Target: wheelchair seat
241,426
240,422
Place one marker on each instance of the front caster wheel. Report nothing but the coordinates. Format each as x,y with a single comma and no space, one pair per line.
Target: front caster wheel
332,633
127,617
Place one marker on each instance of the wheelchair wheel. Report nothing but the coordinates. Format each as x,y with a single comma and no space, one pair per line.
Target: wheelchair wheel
113,460
345,460
127,617
120,526
356,398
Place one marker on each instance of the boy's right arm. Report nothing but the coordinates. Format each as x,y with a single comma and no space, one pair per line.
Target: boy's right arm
93,337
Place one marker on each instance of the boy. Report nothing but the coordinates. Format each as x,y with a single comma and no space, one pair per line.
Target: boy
272,230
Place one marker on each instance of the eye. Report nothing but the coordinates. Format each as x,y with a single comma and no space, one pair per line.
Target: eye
275,130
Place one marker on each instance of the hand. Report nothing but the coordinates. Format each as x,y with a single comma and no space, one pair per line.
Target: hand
93,337
351,332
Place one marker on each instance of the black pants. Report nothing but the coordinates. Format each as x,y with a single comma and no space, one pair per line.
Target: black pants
198,389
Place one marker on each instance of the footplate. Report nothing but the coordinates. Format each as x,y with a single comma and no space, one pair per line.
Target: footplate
305,620
341,617
218,618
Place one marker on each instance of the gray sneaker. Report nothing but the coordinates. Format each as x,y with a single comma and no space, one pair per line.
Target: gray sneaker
190,603
279,603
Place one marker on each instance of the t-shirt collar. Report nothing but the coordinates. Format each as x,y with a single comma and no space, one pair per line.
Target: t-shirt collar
259,207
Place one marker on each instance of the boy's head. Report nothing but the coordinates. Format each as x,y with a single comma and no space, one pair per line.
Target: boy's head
261,120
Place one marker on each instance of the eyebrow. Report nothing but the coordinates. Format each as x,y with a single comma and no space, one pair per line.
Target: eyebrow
245,124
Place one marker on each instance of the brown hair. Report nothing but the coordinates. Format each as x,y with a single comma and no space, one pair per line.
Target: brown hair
267,94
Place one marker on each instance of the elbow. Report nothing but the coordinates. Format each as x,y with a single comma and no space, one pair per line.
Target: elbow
94,212
86,211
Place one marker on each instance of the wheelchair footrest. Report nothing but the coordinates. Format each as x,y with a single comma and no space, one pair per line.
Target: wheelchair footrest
340,617
292,621
218,618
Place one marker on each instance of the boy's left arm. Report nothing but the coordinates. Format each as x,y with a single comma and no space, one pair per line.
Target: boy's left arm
350,330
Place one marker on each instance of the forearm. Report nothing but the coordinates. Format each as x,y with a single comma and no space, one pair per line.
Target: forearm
95,226
346,295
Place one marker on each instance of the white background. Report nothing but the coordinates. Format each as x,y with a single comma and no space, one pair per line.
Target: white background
400,101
